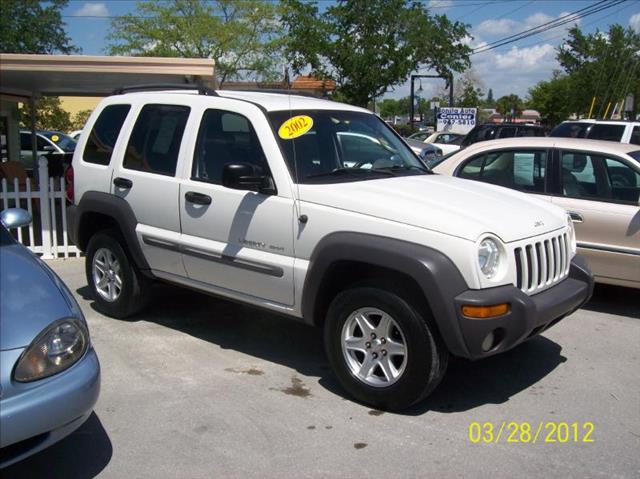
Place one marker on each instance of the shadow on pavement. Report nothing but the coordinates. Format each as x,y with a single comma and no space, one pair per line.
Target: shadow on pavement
82,454
286,341
494,380
618,300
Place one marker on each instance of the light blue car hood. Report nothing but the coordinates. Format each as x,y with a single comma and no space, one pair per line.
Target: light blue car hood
31,297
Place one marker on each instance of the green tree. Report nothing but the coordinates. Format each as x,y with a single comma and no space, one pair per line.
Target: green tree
509,106
604,66
49,115
31,26
489,102
242,37
367,46
79,119
550,98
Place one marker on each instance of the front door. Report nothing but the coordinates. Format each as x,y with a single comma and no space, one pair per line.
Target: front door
601,193
235,240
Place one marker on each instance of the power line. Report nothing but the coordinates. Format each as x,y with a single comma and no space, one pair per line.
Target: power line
596,20
563,20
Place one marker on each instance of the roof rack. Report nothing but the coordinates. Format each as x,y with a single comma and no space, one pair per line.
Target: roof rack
280,91
202,90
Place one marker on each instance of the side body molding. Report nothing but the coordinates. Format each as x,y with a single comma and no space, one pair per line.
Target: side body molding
436,275
115,208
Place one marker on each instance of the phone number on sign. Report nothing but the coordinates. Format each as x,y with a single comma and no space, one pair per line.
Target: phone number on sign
531,433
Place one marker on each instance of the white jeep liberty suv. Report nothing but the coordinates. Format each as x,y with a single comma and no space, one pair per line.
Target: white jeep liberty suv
317,210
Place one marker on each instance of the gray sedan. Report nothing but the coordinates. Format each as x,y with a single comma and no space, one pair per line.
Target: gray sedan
49,371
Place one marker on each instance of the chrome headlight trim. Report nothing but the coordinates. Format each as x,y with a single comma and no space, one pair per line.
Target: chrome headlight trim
489,256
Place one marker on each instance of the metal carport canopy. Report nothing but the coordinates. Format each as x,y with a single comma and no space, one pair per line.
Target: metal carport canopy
28,75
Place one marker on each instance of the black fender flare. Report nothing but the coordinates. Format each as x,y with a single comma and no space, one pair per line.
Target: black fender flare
436,275
114,207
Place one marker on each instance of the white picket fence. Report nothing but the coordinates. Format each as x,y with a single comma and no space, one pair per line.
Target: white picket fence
47,233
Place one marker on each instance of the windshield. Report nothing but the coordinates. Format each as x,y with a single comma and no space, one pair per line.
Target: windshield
65,142
339,146
635,155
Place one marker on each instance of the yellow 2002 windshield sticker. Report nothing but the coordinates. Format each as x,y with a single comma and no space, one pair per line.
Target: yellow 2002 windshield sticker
295,127
55,137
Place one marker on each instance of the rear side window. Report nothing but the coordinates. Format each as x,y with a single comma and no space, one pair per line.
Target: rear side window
635,136
156,138
606,132
104,134
571,130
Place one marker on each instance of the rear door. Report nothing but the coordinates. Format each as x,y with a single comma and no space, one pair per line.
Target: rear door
146,179
601,192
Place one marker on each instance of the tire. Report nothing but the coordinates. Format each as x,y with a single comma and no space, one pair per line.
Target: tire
106,257
407,377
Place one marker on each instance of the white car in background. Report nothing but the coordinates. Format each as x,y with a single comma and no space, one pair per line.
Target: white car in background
446,141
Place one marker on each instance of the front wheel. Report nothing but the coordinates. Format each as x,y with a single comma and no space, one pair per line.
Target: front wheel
118,288
382,349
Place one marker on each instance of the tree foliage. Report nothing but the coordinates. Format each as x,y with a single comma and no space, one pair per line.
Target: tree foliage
49,115
243,37
601,65
509,106
367,46
31,26
552,98
79,119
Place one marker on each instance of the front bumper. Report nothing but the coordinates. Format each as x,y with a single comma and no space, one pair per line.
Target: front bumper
528,315
36,415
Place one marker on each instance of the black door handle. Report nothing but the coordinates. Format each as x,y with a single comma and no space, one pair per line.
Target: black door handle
197,198
577,217
122,183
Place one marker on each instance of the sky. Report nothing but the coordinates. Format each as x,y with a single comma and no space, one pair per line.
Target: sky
512,68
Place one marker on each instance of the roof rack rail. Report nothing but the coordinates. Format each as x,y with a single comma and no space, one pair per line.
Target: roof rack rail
280,91
202,90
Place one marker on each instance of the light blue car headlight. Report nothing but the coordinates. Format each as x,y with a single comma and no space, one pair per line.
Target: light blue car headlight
55,349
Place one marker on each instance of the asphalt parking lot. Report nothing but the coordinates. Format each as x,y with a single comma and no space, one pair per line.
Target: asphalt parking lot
197,387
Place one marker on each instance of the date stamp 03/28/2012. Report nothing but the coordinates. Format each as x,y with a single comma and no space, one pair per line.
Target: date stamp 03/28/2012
547,432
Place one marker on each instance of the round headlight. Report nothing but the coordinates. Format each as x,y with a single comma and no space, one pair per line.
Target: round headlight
572,235
488,257
55,349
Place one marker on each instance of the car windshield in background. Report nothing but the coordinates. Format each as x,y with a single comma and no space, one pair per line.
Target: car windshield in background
65,142
328,146
635,155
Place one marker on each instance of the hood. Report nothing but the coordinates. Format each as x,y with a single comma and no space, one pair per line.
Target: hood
31,297
453,206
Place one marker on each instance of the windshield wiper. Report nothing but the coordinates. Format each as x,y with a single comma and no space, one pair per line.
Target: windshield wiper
344,171
402,167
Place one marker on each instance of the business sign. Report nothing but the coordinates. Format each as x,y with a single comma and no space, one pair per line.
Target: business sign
456,120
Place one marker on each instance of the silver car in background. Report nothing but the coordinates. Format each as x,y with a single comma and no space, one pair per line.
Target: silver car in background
597,182
49,371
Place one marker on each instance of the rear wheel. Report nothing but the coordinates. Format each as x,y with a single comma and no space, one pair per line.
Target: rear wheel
118,288
382,349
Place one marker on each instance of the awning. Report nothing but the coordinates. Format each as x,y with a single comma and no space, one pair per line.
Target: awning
79,75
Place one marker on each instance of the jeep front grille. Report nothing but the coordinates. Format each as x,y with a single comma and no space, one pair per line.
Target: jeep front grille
543,263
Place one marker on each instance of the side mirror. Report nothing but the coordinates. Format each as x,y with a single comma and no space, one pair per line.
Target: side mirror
15,218
242,176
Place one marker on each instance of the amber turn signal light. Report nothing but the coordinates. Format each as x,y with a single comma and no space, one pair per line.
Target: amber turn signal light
484,312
